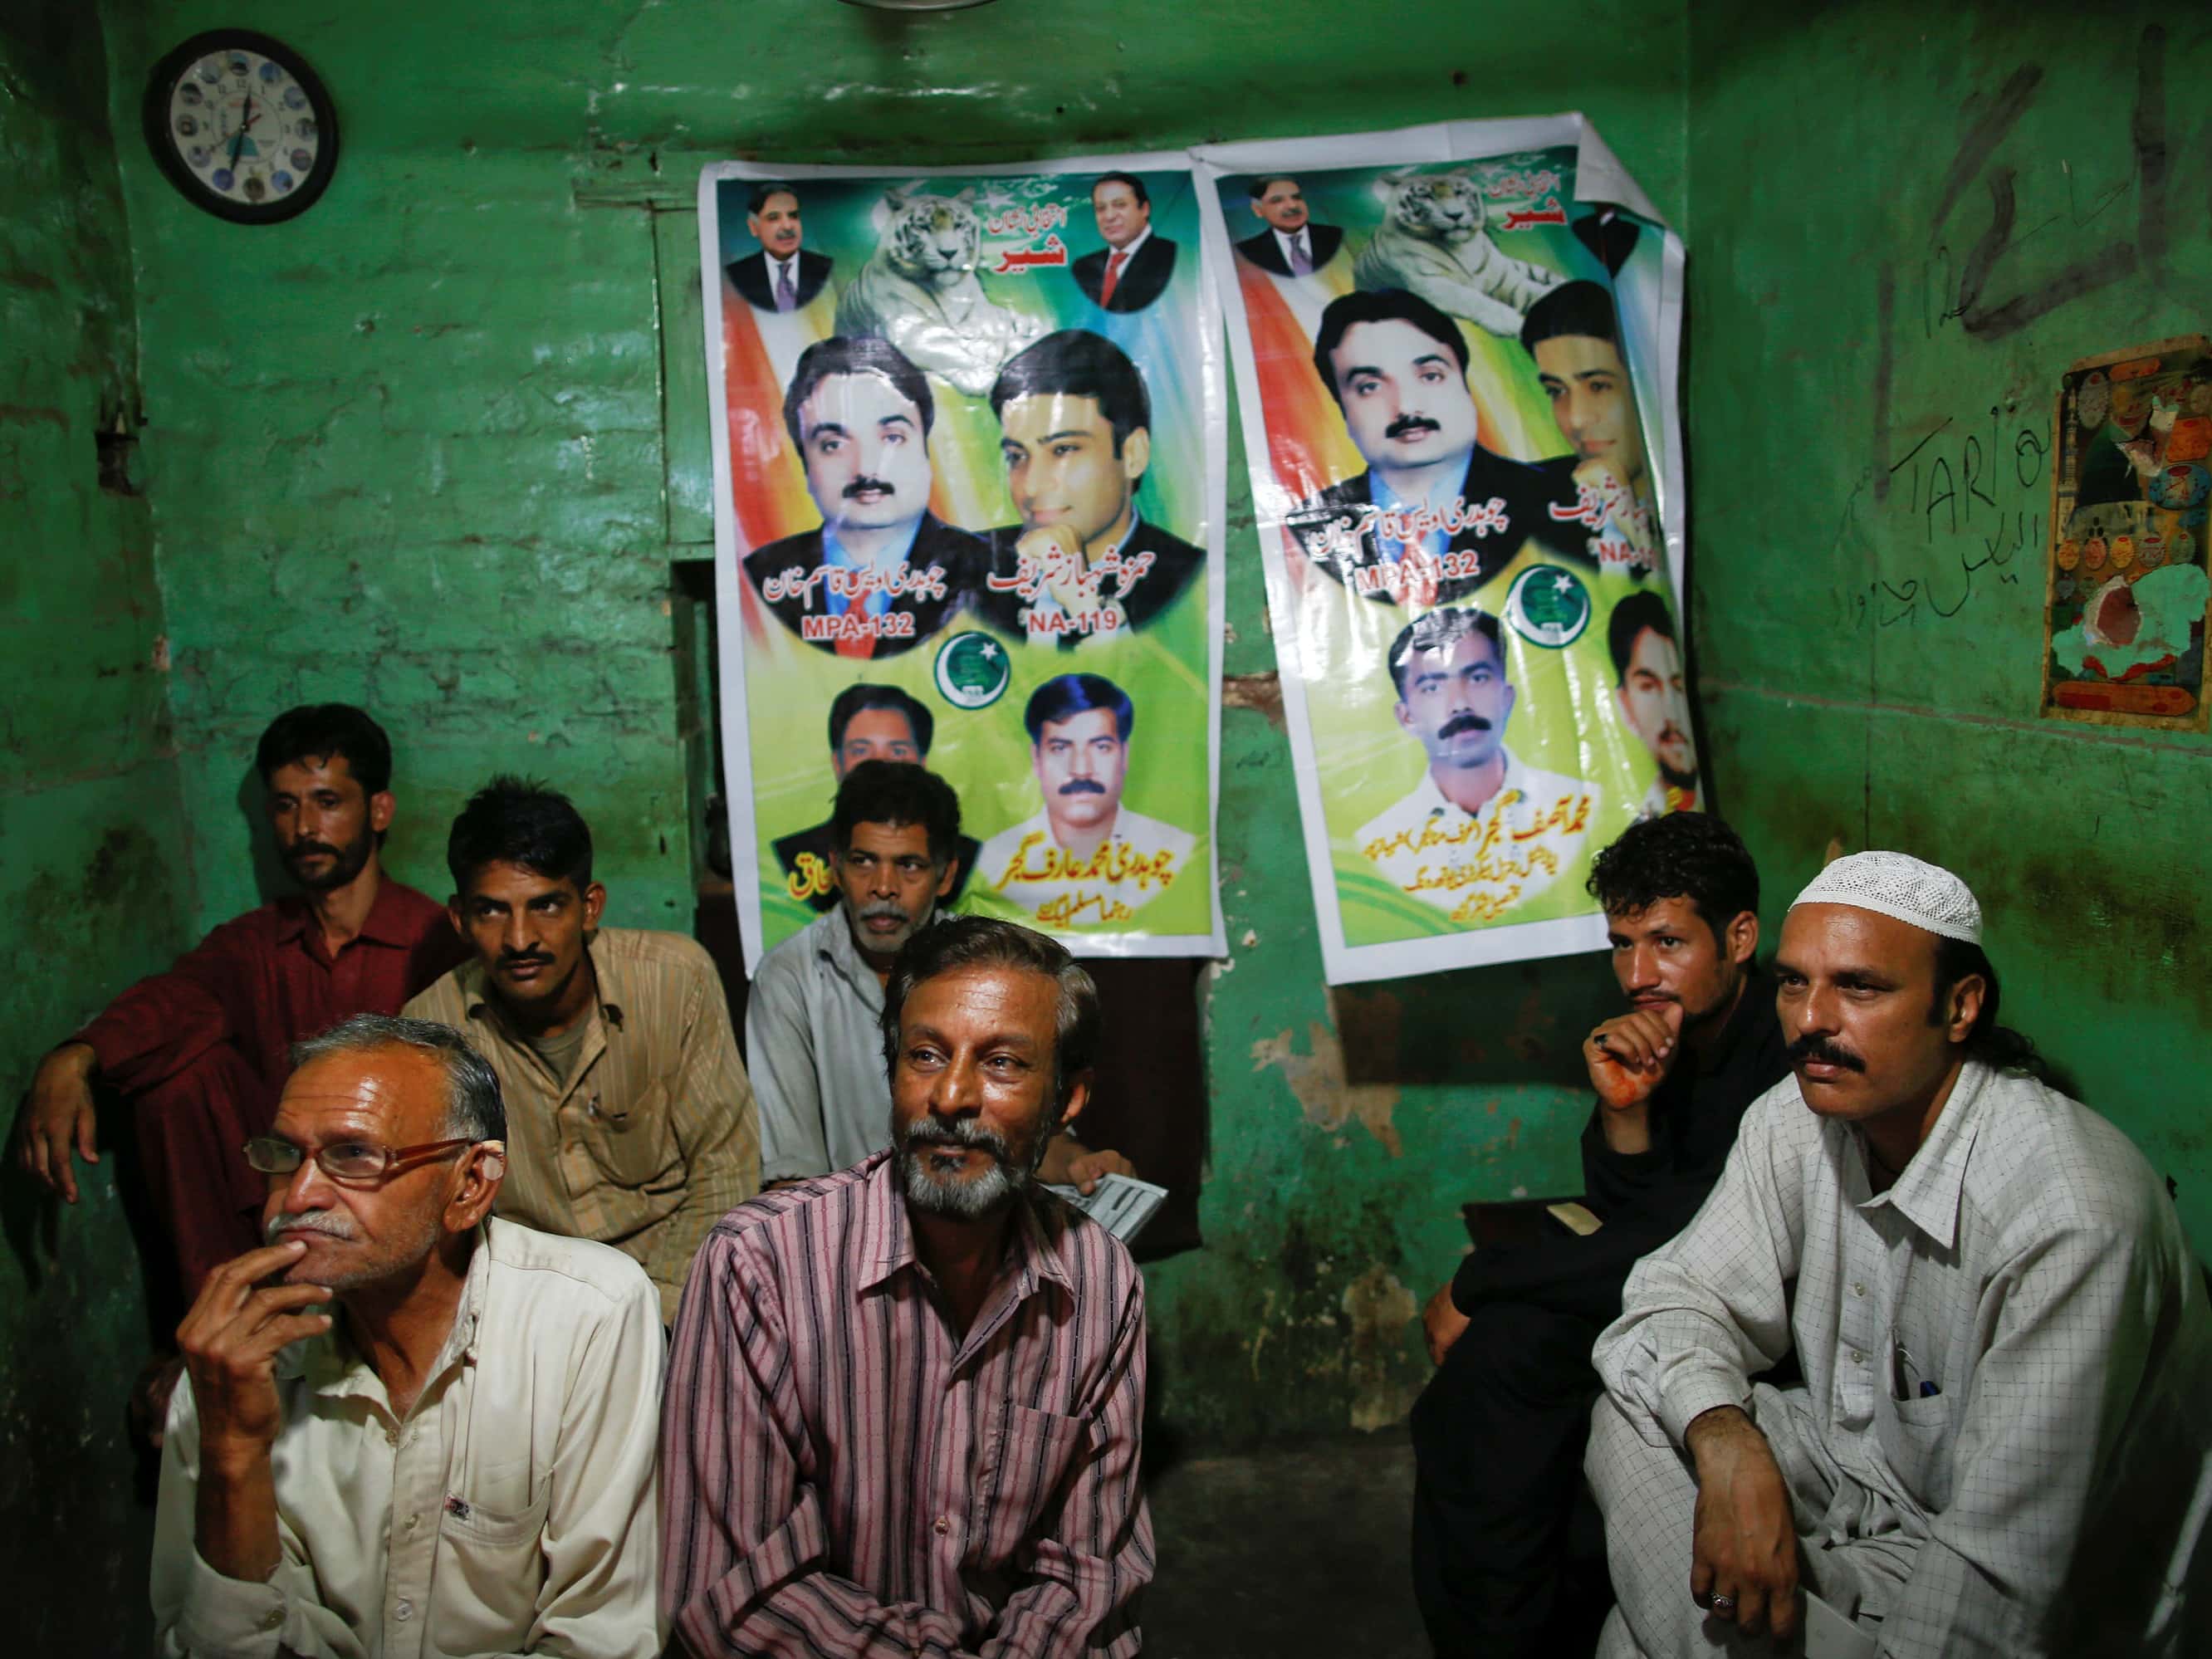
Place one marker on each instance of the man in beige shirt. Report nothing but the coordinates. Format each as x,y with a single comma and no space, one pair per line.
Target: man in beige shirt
406,1428
631,1120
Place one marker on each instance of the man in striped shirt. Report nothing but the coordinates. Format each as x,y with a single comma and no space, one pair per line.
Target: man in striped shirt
904,1407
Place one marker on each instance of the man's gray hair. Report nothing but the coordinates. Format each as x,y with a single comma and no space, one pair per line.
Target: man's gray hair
474,1109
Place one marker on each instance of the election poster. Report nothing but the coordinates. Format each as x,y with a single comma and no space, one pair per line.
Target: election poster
969,453
1456,358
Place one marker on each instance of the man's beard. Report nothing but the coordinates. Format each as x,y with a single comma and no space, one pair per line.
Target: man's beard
1686,781
885,945
971,1198
346,862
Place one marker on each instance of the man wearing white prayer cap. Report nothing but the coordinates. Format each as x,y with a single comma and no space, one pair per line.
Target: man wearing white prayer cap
2001,1440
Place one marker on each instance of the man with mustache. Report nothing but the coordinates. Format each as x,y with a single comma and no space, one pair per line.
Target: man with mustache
201,1052
2000,1445
1648,669
882,574
411,1426
631,1120
1436,515
782,276
814,1021
906,1400
1483,831
866,722
1499,1432
1085,856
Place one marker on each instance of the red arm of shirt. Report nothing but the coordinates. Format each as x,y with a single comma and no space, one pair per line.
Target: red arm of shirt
165,1022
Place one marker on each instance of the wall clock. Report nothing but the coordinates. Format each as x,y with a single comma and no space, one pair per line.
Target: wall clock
242,126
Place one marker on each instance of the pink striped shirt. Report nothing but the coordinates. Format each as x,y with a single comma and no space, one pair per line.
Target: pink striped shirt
844,1474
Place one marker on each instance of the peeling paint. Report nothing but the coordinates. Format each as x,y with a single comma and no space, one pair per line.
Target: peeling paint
1261,692
1317,1079
1379,1309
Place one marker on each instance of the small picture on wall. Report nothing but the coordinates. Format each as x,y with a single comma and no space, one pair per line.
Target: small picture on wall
2124,609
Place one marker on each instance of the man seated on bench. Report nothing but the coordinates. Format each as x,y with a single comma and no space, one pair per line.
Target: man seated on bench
1498,1434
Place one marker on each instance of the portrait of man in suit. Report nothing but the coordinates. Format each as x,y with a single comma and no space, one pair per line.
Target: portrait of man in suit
1289,243
782,276
1075,428
1435,515
1134,268
866,722
882,574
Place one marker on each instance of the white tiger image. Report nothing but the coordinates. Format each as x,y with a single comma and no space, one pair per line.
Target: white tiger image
1433,244
919,291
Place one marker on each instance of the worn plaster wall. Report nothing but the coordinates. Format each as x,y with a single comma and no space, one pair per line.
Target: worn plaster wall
93,874
1910,221
410,449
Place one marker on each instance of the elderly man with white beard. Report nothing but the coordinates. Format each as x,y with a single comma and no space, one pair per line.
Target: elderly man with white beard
905,1400
408,1427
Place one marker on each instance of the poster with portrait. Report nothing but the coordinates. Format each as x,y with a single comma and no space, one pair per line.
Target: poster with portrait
2125,639
1455,357
968,441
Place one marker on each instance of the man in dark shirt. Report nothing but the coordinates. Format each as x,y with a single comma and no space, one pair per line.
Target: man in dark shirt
1498,1434
201,1052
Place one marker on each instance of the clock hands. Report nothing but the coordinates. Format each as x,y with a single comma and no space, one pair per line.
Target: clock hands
238,143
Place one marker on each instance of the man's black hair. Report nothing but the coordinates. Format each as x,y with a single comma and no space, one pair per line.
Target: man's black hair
1692,855
854,354
1380,304
1259,186
958,943
1576,307
897,793
1077,363
1994,1045
1136,185
523,821
762,191
855,698
1437,630
318,731
1071,694
1639,610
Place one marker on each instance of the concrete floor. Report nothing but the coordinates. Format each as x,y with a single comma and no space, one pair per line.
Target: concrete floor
1286,1552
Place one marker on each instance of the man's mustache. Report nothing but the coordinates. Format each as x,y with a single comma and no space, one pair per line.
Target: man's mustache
860,487
1082,787
326,1222
528,959
887,911
1459,723
301,849
959,1132
1405,425
1822,1051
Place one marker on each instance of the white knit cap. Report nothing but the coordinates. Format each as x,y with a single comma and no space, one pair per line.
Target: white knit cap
1898,884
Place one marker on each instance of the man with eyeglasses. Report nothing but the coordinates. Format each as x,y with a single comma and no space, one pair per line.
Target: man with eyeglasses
363,1456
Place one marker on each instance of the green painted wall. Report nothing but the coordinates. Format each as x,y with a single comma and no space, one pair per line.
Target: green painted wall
409,449
1869,628
94,873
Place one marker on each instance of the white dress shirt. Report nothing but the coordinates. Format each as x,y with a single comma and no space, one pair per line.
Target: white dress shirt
1141,859
513,1509
1477,866
814,1029
2006,1353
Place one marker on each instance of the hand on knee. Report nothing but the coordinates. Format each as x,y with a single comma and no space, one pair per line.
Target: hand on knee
1743,1565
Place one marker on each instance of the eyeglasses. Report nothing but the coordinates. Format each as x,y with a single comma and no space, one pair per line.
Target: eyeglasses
356,1162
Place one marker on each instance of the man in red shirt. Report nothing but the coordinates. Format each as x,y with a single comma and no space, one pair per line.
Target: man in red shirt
201,1052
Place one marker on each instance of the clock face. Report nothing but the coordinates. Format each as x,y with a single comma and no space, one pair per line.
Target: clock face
241,124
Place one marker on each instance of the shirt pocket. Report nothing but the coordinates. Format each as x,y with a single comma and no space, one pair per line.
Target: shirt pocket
1916,1437
491,1566
634,1147
1029,1458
